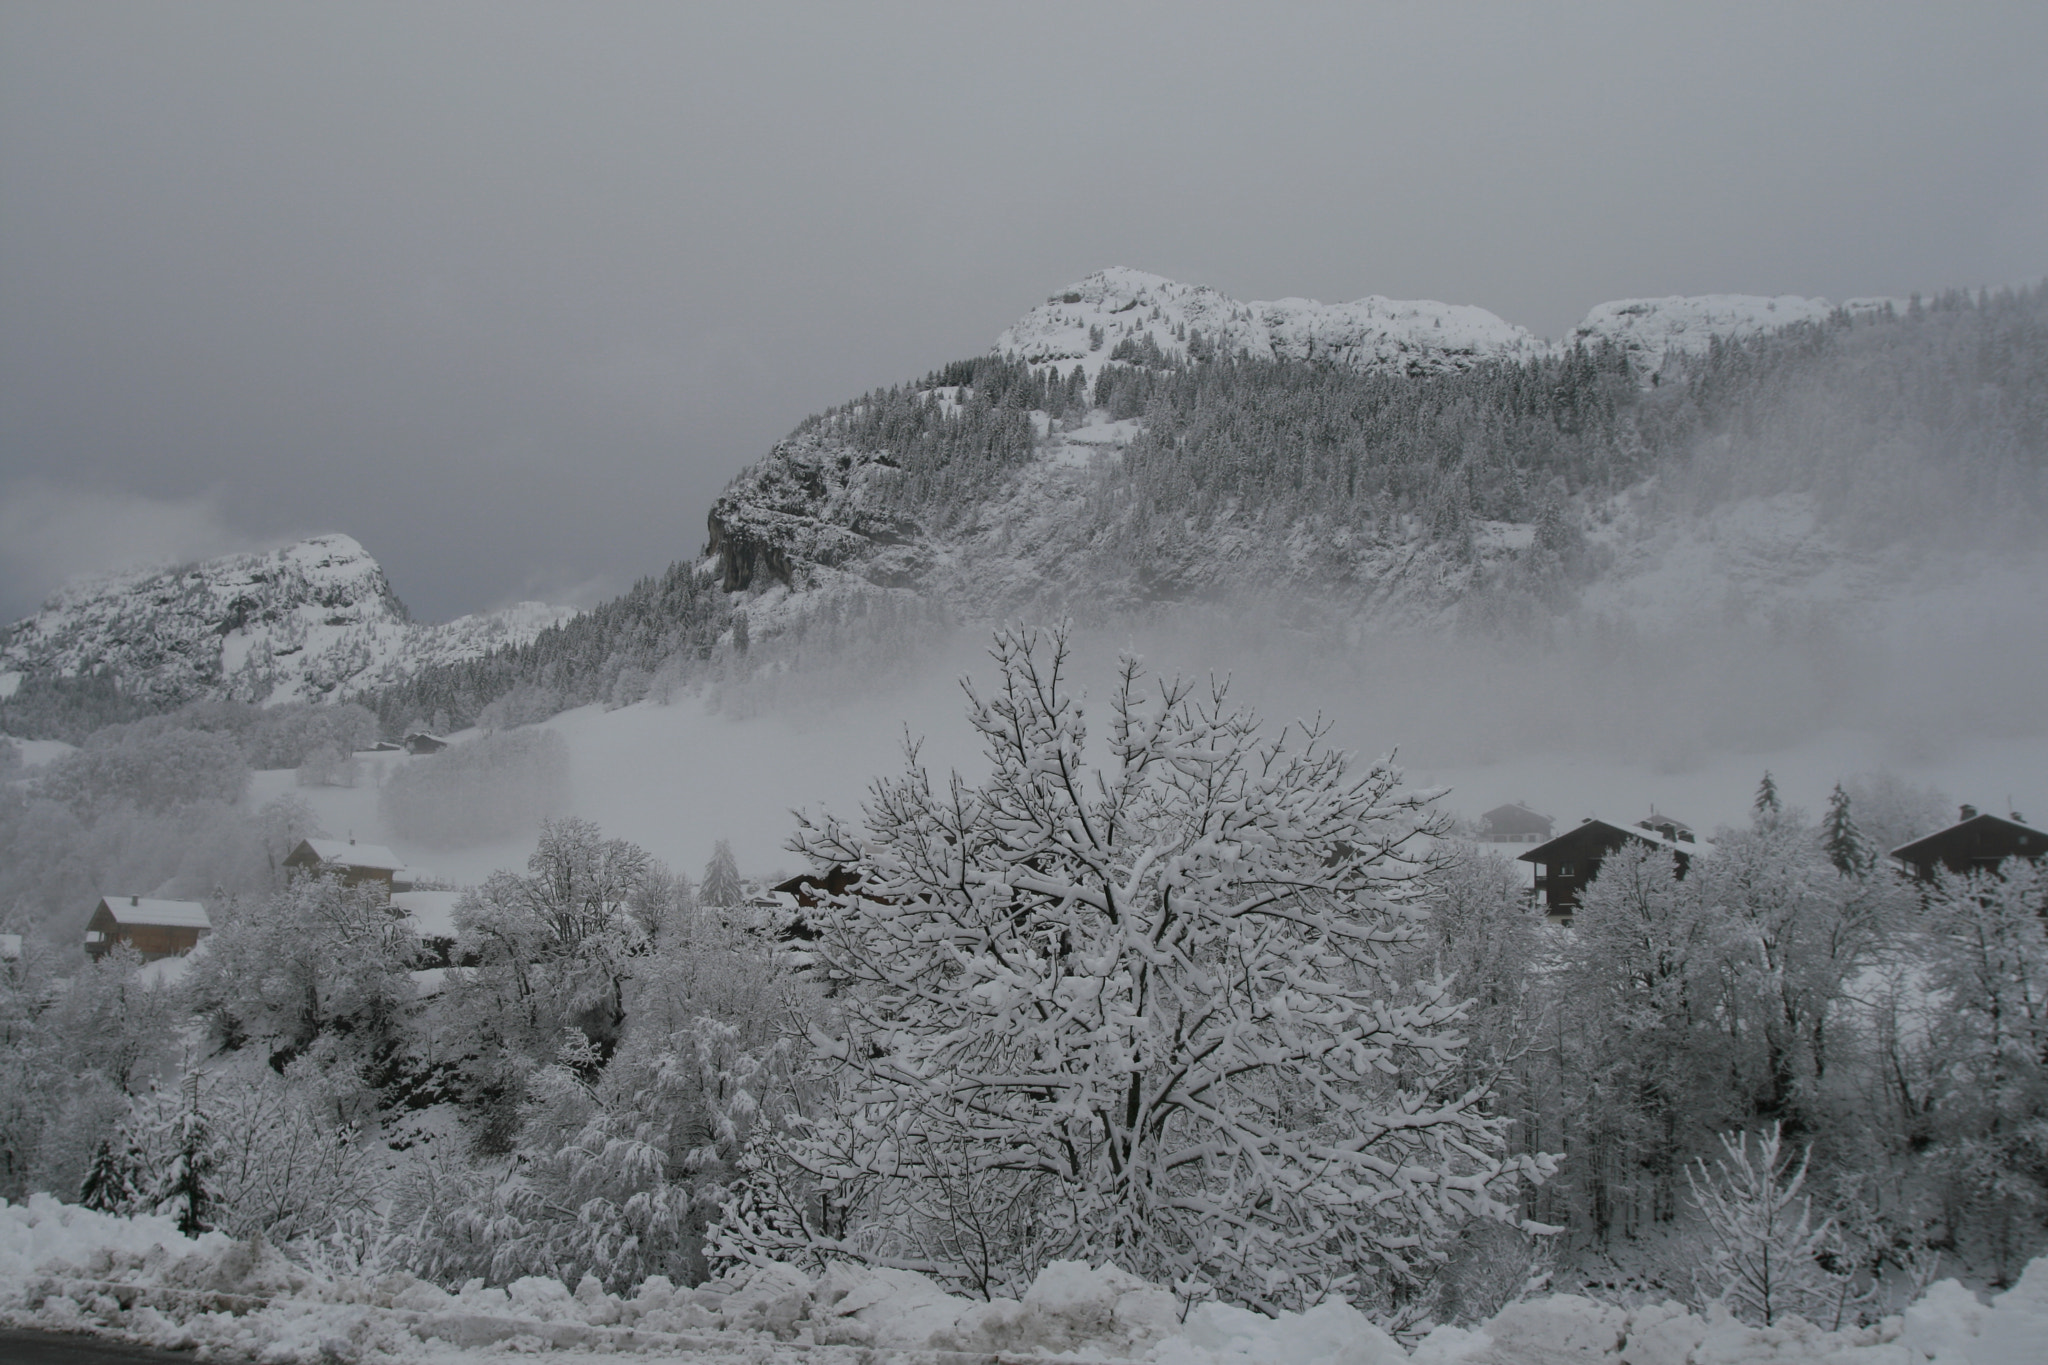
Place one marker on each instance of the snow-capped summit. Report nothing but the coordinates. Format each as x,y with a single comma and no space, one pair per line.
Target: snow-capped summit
1087,322
313,620
1652,329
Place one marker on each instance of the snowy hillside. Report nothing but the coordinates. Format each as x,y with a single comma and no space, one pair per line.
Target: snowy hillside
1510,478
312,621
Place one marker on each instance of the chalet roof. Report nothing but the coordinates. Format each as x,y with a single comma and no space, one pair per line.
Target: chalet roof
344,854
1571,842
1928,846
162,914
1514,808
1656,818
432,912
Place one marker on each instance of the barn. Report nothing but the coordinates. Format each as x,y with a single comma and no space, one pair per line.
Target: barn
154,928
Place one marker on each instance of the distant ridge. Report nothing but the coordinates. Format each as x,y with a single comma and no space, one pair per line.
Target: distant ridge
315,620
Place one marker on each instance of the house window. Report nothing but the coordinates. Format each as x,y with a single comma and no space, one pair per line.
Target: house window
1564,869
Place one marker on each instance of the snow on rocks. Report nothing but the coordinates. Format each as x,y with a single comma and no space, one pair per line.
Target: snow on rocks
311,621
1650,330
67,1268
1085,323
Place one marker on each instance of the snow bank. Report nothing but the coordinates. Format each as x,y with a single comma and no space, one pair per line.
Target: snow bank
68,1268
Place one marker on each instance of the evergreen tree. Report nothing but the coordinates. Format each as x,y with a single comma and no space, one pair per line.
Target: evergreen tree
113,1182
721,885
187,1191
1841,840
1767,805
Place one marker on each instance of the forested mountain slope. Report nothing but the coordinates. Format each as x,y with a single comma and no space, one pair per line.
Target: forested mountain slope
1138,446
1484,486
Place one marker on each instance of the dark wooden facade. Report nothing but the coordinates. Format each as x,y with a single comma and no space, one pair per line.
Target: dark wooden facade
356,863
1977,842
1514,823
1566,864
154,928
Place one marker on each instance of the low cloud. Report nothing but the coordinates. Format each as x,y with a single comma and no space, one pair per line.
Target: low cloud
51,533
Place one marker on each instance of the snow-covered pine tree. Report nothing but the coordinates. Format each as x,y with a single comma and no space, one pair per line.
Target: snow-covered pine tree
187,1190
1767,805
116,1178
1764,1256
1844,844
1148,1012
721,885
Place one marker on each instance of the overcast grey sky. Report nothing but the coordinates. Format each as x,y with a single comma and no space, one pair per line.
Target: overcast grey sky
509,292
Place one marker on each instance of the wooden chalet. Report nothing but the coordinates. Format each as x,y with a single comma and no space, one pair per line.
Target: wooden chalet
807,892
1565,864
357,863
1514,823
1976,842
154,928
421,742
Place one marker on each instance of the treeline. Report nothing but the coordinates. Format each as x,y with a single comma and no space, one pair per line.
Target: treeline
611,653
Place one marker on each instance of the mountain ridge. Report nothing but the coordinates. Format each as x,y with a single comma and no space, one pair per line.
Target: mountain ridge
313,620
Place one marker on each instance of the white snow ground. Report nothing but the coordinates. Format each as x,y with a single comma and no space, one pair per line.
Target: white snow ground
138,1279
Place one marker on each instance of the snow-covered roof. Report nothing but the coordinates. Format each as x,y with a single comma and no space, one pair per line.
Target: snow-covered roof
1913,848
1688,847
432,912
343,853
163,914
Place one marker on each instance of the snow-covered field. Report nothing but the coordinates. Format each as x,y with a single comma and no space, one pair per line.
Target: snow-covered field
137,1278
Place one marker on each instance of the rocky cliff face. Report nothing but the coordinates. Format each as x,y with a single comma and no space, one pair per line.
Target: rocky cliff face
311,621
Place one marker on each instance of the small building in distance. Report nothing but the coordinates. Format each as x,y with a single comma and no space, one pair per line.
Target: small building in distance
154,928
1976,842
421,742
357,863
1565,865
1514,823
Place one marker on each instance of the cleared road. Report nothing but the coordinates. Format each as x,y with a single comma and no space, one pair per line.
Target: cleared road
20,1346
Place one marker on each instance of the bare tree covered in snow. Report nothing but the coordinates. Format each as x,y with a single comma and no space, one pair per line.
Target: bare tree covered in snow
1150,1011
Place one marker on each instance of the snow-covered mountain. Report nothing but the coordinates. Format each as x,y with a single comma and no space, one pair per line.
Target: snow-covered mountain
311,621
1084,324
820,513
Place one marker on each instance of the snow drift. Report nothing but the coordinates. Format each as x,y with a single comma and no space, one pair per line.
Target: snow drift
138,1278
